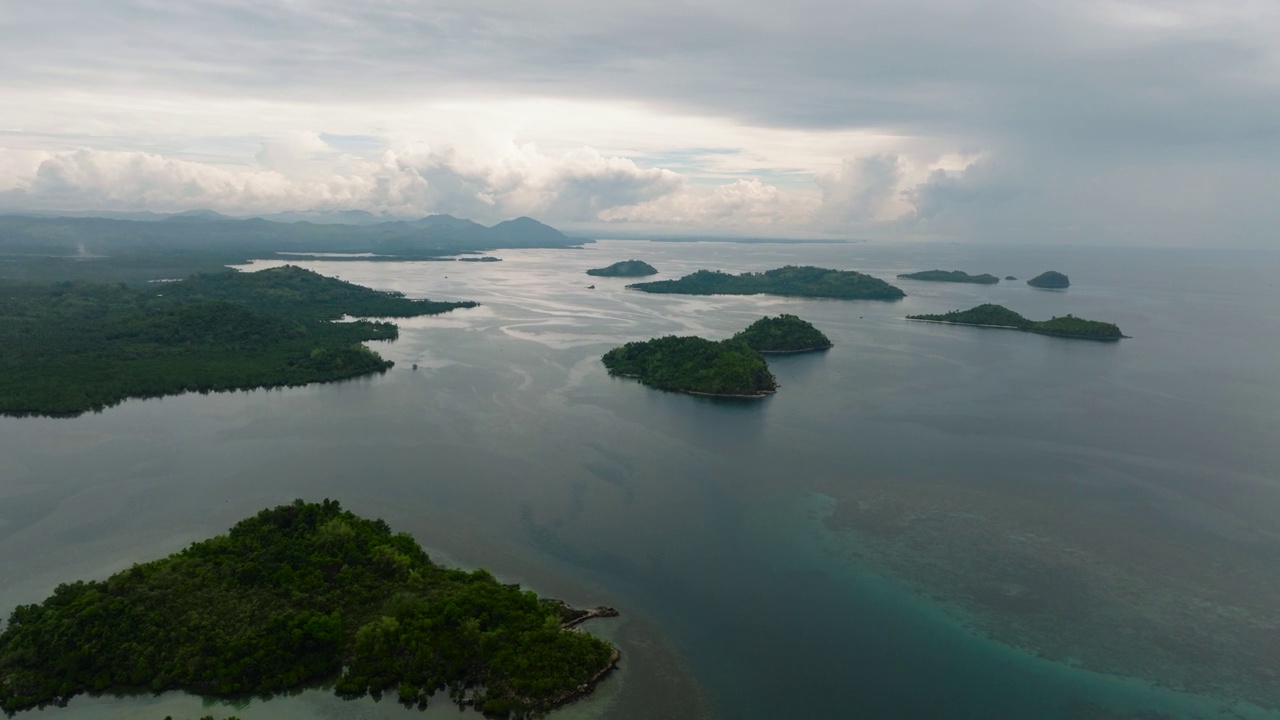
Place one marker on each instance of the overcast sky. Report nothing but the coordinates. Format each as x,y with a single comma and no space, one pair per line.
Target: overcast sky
1067,122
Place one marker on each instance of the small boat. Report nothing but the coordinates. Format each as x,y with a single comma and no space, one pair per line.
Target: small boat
415,366
591,287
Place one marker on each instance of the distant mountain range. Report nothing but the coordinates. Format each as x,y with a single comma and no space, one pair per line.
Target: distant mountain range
353,231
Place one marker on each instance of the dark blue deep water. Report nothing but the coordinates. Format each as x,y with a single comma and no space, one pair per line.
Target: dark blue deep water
924,522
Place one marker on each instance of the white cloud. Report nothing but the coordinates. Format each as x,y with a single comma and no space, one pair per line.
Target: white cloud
726,114
745,204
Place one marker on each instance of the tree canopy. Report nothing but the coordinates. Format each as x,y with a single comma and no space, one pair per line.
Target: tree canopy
692,364
1050,279
71,347
957,276
792,280
625,268
785,333
298,595
999,316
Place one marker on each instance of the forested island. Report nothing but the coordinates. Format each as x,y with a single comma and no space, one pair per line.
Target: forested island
783,334
792,281
1050,279
957,276
1010,277
998,316
625,268
297,596
71,347
694,365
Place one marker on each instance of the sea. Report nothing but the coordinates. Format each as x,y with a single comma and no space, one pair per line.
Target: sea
925,521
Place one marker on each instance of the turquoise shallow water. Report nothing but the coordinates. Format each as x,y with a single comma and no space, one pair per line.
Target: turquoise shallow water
790,557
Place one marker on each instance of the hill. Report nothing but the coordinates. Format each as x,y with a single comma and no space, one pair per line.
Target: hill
297,596
694,365
957,276
783,334
793,281
998,316
625,268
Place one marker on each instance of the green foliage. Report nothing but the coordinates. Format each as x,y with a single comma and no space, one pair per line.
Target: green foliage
299,595
70,347
1000,316
625,268
294,292
952,276
785,333
792,280
1050,279
692,364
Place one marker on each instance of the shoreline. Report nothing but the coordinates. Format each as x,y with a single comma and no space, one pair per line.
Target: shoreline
815,348
759,394
1026,330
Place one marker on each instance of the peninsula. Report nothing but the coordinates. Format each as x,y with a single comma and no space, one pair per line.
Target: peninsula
694,365
298,596
71,347
783,334
1050,279
625,268
791,281
957,276
998,316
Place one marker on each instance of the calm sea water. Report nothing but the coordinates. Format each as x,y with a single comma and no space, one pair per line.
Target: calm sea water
925,521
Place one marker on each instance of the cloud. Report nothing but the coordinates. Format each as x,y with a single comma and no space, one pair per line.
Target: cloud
862,193
745,204
303,172
695,113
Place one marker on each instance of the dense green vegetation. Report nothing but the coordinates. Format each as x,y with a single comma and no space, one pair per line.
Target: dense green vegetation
958,276
792,280
1002,317
299,595
71,347
1049,279
785,333
692,364
625,268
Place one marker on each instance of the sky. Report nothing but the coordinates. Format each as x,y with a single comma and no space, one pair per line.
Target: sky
1083,122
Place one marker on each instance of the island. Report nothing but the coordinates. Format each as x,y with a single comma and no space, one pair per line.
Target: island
302,595
1050,280
998,316
482,258
957,276
1010,277
783,334
625,268
71,347
790,281
693,365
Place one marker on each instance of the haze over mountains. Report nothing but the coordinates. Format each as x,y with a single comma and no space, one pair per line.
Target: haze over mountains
352,232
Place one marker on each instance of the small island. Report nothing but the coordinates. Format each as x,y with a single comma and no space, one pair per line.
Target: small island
625,268
482,258
998,316
303,595
956,276
1050,280
783,334
729,368
789,281
1010,277
72,347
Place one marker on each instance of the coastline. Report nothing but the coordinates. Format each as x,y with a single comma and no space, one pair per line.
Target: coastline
759,394
1026,330
815,348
